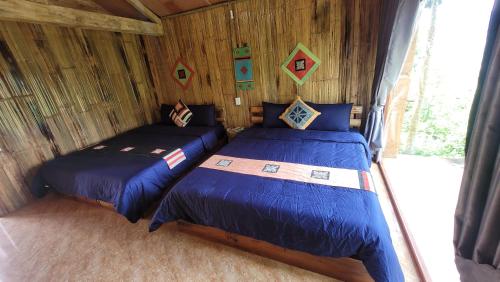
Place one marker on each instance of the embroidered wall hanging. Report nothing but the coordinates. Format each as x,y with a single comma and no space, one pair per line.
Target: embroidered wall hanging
243,69
182,74
301,64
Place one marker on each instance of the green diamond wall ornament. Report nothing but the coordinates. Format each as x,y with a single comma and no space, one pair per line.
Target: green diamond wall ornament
301,64
182,74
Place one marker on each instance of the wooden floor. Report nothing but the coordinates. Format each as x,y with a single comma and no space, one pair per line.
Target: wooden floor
61,239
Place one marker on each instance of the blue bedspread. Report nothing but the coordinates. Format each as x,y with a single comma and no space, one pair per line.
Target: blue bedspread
131,180
318,219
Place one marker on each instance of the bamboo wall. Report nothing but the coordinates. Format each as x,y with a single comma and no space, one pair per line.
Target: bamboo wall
342,33
63,89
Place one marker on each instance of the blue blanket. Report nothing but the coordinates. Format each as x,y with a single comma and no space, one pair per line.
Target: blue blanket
321,220
131,180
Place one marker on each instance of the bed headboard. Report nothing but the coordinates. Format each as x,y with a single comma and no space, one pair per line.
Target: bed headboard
256,115
220,115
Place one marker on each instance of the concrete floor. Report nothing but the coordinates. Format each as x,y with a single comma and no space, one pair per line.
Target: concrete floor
57,238
427,192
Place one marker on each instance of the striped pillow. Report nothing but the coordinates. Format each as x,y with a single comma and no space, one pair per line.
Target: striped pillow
180,114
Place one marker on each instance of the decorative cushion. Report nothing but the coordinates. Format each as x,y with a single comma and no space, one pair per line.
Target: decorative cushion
203,115
271,115
334,117
165,114
180,114
299,115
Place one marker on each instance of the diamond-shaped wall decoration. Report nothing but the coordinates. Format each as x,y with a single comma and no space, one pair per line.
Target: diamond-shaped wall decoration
243,69
301,64
182,74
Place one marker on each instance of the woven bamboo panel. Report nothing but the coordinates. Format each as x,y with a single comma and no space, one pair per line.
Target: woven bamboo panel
342,33
63,89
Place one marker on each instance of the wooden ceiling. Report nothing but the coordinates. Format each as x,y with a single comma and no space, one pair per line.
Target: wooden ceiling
170,7
85,5
127,16
122,8
161,8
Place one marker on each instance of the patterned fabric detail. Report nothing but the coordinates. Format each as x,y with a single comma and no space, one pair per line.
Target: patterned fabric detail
243,68
175,158
299,115
181,115
270,168
182,74
224,163
330,176
301,64
365,180
320,174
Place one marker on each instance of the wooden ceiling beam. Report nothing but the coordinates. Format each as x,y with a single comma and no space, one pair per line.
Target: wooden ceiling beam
139,6
26,11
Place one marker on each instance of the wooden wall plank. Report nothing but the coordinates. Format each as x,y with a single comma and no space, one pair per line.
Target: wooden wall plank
61,90
343,33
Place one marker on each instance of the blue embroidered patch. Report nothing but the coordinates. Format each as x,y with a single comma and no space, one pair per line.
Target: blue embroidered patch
224,163
270,168
320,174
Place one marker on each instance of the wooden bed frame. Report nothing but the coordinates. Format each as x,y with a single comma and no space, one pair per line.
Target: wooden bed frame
220,117
149,212
346,269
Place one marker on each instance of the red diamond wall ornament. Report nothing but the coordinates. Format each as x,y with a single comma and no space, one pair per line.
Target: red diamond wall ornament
300,64
182,74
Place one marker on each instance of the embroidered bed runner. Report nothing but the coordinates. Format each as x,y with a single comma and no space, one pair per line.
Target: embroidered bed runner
338,177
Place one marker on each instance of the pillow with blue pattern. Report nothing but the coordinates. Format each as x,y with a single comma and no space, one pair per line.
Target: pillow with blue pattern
299,115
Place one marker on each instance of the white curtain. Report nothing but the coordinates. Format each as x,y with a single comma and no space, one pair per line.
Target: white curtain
397,26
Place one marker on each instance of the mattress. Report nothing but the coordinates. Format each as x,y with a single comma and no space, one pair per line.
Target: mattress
131,170
323,220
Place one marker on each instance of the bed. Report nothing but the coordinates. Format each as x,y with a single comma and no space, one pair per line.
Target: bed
131,171
239,197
